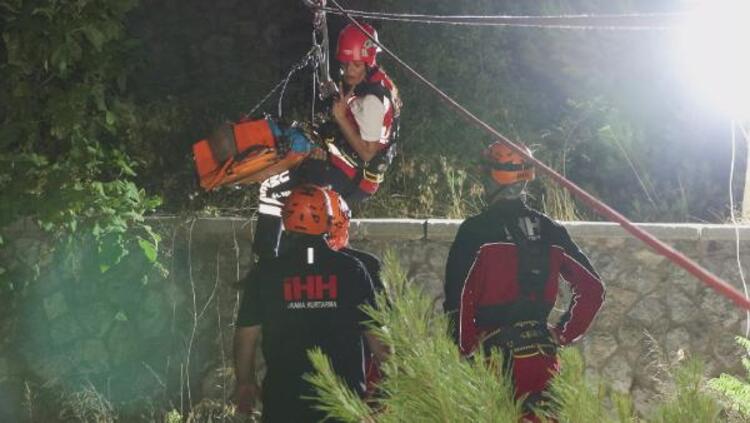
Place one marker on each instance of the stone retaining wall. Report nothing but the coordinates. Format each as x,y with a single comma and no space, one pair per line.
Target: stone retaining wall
168,340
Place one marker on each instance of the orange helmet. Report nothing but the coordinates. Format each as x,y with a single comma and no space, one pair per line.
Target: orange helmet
338,235
307,210
354,45
506,166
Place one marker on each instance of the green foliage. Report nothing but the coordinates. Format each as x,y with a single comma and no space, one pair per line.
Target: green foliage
337,400
579,400
735,389
425,378
67,127
689,401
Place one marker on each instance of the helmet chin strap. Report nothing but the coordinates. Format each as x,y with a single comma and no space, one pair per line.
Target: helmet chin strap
508,192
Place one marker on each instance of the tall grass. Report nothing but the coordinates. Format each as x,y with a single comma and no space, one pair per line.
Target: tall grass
426,380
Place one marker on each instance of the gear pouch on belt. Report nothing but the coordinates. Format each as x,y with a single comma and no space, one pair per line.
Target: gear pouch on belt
522,339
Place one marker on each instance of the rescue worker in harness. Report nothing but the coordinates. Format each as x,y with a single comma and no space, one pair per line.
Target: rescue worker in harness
359,137
502,278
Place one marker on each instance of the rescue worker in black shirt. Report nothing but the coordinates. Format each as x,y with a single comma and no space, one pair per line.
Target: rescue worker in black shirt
309,296
502,278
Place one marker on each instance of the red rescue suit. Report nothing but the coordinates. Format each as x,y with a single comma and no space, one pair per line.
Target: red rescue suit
492,295
499,308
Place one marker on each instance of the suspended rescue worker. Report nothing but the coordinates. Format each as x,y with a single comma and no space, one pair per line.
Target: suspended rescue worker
360,137
309,296
366,114
502,278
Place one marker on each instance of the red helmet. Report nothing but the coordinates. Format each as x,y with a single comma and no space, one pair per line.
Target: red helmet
338,235
307,210
506,166
354,45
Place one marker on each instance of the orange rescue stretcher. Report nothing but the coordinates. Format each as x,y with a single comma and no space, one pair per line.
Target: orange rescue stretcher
243,153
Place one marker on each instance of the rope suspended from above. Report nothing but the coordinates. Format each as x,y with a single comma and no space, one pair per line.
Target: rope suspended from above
628,22
301,64
719,285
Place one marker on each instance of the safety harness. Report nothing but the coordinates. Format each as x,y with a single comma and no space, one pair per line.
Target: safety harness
522,325
367,175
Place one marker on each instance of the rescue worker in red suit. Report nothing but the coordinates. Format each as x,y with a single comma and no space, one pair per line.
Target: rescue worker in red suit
309,296
360,137
502,278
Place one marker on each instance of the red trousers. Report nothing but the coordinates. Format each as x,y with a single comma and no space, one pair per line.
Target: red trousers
530,378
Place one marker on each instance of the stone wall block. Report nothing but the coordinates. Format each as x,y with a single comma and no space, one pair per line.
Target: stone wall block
617,303
94,356
598,347
388,229
153,318
55,305
650,313
681,308
441,229
631,334
648,258
64,330
641,280
685,282
122,343
56,368
726,351
96,319
720,311
618,372
726,233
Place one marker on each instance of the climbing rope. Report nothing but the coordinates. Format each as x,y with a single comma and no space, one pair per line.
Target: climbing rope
633,21
302,63
598,206
317,56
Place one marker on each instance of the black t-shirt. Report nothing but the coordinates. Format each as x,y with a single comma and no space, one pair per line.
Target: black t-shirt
371,263
309,296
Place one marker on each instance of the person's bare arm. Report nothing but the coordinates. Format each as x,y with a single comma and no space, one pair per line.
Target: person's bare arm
245,347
